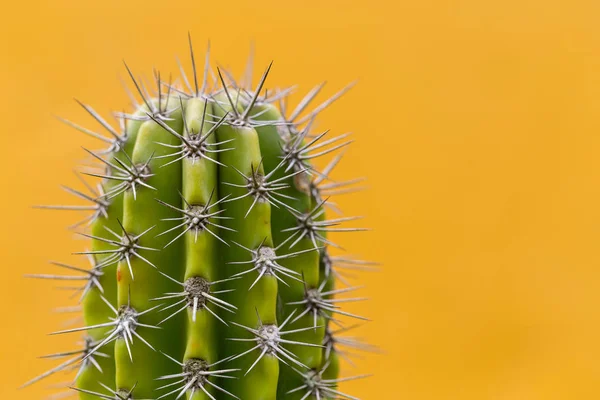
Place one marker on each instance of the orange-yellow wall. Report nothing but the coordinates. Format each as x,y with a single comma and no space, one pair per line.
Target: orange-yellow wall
476,122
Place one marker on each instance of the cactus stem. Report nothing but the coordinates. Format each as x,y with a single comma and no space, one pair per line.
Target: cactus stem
258,158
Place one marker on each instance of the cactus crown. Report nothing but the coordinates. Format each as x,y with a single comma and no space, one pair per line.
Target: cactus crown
210,272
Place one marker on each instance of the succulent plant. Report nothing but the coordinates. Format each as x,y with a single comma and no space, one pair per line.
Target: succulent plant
210,272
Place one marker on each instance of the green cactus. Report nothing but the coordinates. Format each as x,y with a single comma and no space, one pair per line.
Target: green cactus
211,276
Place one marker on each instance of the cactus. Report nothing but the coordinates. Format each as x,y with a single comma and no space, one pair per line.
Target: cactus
210,270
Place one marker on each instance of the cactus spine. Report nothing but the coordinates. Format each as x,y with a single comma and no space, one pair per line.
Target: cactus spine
211,276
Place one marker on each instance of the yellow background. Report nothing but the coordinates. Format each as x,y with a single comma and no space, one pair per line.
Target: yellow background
476,122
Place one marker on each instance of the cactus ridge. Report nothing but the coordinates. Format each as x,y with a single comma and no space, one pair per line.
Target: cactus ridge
210,269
